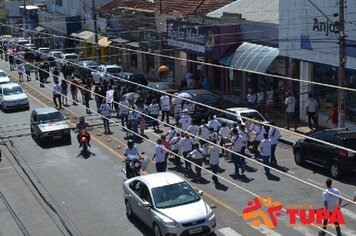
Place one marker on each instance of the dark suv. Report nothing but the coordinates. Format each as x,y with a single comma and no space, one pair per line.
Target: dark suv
335,159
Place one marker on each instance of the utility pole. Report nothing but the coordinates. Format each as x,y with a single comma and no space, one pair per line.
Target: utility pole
342,63
97,47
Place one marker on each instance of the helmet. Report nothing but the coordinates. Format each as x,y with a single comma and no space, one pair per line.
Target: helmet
130,143
81,119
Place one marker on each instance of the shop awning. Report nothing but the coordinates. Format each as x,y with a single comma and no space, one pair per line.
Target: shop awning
120,40
104,42
252,57
39,29
85,35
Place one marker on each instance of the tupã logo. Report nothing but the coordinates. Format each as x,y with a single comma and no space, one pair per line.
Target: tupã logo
254,211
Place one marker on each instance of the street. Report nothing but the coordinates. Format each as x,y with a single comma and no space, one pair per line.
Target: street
53,191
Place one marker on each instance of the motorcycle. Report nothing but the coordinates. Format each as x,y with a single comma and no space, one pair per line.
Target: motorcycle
135,165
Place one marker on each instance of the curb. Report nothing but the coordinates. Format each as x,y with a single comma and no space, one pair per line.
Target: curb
286,141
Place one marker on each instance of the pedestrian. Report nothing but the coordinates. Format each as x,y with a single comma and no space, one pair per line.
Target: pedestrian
73,91
265,146
213,135
186,146
311,111
197,157
124,111
177,106
160,156
245,137
153,111
224,135
214,152
117,99
105,112
213,123
166,144
185,120
189,79
98,99
11,62
290,110
110,96
42,75
174,142
334,116
142,126
203,135
236,141
57,91
20,71
46,71
251,99
165,107
86,95
55,74
27,67
193,129
332,201
64,91
134,118
171,133
35,68
274,134
258,130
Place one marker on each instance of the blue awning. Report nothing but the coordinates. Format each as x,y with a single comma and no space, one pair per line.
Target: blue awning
252,57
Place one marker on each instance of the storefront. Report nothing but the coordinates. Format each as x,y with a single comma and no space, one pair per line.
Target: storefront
316,48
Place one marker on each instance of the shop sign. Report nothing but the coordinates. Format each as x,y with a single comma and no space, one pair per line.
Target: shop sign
325,26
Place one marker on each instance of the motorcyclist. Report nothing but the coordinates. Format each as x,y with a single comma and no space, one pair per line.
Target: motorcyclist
131,153
82,129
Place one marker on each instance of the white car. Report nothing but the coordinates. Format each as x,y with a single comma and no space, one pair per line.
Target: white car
106,72
67,57
168,204
240,114
12,96
4,78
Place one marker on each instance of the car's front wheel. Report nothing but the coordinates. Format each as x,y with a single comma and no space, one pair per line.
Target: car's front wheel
156,230
129,212
335,170
298,157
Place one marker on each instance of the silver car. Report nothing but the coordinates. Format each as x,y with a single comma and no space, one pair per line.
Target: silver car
168,204
4,78
12,96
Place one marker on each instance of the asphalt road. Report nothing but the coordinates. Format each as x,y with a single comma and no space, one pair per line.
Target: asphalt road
84,196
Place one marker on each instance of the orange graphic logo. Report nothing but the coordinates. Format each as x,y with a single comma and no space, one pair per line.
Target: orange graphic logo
254,211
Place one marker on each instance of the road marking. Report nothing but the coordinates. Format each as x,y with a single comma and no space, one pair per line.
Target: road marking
314,182
229,232
289,171
264,230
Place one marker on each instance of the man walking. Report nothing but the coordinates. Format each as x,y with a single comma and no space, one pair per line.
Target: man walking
311,111
289,110
160,156
237,142
153,110
165,107
197,156
265,147
27,67
331,201
105,111
274,134
124,111
57,91
214,152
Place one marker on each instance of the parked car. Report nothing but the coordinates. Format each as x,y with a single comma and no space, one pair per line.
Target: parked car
53,56
42,53
48,124
12,96
205,97
168,205
337,160
240,115
136,78
166,87
30,46
84,67
106,72
66,57
4,78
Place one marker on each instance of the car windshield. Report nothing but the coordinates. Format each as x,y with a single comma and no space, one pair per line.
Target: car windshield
12,90
53,116
174,195
113,70
2,74
251,115
56,54
205,98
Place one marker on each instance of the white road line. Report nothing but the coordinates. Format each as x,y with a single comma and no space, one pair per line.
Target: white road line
264,230
229,232
289,171
314,182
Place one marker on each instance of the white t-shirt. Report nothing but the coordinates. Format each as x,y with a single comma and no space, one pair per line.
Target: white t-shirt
213,136
186,144
260,97
185,121
244,136
110,96
236,141
224,131
274,135
165,103
160,153
57,89
104,109
331,199
170,134
153,109
133,115
290,102
131,152
193,129
123,106
204,132
258,130
312,105
214,152
266,147
175,143
251,98
214,124
197,153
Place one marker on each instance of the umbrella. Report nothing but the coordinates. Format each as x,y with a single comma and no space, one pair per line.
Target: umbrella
163,69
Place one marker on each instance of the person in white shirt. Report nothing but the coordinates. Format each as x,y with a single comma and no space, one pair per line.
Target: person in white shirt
105,112
130,153
165,107
186,146
189,79
311,111
214,124
174,142
331,201
251,99
224,134
160,157
134,118
265,147
110,96
193,129
214,152
213,135
237,142
171,134
185,120
274,134
203,134
197,156
259,131
57,91
290,109
153,110
245,137
124,111
177,105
